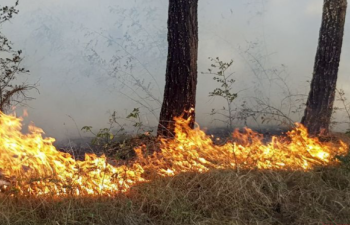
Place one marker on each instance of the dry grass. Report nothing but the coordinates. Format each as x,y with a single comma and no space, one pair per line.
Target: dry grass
218,197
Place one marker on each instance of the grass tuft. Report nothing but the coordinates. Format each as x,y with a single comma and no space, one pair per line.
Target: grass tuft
321,196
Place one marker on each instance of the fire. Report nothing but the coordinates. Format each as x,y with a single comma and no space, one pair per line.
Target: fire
31,165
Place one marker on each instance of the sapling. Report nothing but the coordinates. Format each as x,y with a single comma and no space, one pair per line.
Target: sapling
219,71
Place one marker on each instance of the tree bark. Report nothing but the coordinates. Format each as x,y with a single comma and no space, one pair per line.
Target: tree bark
320,101
181,72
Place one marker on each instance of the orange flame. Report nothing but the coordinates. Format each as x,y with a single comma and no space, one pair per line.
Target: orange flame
31,165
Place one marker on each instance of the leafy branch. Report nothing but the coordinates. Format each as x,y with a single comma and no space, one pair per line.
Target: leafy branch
10,66
219,71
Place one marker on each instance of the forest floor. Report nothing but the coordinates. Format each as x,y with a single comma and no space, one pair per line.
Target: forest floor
218,197
319,196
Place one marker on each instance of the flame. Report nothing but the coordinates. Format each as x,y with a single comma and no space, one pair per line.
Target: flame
31,165
34,166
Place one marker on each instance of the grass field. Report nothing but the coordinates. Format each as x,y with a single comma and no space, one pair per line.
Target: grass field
218,197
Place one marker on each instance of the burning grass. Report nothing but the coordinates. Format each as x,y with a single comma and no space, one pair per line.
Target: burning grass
293,179
31,165
218,197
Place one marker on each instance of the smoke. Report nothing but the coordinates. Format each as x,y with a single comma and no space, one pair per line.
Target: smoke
91,59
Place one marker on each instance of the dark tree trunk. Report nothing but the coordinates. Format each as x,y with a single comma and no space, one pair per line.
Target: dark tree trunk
319,105
181,71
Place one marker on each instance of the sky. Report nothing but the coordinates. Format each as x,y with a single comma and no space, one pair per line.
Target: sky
91,58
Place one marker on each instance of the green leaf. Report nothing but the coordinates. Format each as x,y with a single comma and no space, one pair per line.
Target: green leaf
86,128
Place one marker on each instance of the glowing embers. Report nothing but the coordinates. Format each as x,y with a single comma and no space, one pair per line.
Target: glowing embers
31,165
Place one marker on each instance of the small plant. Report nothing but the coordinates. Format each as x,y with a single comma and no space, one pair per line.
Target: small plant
136,115
340,93
116,142
219,70
106,136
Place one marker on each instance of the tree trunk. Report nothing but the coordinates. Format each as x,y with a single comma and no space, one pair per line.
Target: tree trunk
319,105
181,72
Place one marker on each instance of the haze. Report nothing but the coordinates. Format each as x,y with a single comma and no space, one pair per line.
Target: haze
87,56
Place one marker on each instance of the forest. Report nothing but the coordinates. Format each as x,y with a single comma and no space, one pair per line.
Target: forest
203,121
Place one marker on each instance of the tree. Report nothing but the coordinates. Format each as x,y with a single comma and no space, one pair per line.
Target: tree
181,71
320,101
10,61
